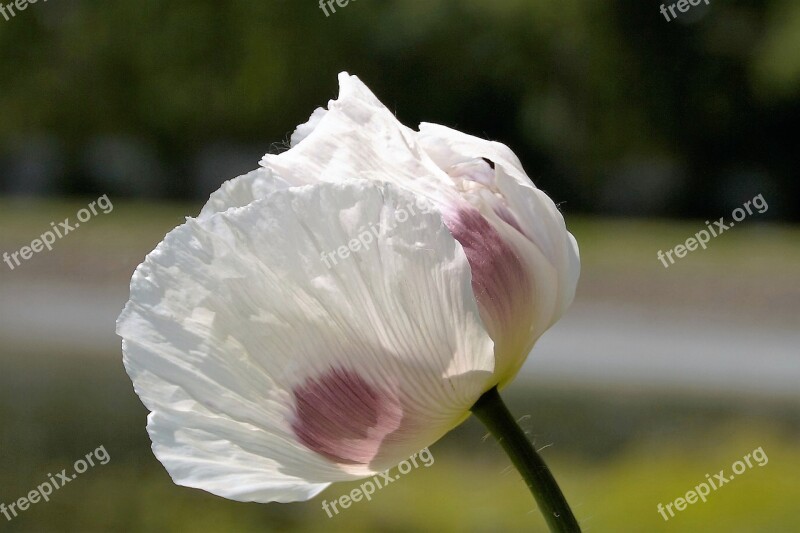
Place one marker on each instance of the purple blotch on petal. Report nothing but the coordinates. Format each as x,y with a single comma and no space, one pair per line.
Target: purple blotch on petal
342,417
499,280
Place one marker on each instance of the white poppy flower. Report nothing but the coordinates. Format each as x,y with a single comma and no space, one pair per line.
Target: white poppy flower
271,373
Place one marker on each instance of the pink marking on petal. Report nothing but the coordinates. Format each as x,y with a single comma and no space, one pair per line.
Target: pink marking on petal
499,280
342,417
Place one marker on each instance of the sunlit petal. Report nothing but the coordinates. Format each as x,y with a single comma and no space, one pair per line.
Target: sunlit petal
241,337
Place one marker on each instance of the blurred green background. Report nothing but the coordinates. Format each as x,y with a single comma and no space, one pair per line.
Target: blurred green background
612,108
639,128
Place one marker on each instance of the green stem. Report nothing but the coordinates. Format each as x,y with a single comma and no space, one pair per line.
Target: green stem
494,414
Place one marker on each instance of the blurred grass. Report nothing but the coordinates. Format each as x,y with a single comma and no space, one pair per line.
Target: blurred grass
129,225
749,247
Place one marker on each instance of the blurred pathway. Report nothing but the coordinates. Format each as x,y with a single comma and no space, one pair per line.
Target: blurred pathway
596,344
628,344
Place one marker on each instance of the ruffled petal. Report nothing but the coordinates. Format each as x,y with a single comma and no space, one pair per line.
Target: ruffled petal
525,264
321,334
513,284
243,190
510,197
359,138
304,130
